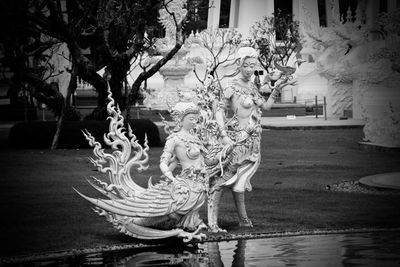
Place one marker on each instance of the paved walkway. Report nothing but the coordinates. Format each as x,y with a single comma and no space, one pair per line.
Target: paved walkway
309,122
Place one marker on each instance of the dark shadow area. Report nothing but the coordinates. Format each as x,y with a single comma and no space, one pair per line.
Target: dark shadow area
39,134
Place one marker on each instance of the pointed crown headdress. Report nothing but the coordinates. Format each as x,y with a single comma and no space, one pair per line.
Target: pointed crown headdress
245,52
184,107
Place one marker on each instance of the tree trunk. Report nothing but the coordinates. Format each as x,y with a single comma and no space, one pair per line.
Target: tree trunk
147,74
118,70
87,72
67,103
72,85
127,104
56,137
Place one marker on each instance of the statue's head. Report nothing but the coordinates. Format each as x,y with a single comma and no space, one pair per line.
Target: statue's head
246,59
185,115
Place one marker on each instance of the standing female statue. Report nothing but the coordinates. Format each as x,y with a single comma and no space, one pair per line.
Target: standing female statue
243,133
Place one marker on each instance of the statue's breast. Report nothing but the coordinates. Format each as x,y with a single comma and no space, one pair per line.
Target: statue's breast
193,152
189,151
246,102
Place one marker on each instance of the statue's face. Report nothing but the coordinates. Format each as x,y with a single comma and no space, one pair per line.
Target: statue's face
189,121
248,67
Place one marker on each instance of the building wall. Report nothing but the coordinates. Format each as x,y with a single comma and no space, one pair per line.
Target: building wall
251,11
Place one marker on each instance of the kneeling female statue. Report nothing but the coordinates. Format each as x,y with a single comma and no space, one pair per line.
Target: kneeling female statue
164,209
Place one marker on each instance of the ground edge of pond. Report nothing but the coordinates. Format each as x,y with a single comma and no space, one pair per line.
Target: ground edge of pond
51,255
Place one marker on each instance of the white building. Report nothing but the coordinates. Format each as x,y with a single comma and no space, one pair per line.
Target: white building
244,13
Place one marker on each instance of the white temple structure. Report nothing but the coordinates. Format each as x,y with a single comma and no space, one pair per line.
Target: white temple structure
309,13
244,13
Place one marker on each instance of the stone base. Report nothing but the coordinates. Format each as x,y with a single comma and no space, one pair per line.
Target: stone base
368,146
384,180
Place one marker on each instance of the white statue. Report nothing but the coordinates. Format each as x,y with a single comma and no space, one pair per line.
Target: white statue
170,15
142,212
360,64
242,134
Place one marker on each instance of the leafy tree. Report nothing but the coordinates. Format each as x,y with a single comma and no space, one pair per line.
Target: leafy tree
115,30
276,38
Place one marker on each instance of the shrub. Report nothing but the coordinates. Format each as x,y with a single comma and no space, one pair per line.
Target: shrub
72,114
39,134
17,112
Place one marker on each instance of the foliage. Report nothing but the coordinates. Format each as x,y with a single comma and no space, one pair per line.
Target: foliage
72,114
113,30
275,37
390,21
390,24
27,53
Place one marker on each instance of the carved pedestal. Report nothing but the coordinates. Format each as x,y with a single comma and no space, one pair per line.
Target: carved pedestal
339,98
381,109
174,73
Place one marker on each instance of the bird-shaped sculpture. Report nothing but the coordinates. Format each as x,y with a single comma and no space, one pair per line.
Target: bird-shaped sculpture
286,70
137,211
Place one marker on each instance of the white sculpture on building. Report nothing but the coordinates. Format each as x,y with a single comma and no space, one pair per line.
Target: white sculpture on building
359,63
172,14
175,70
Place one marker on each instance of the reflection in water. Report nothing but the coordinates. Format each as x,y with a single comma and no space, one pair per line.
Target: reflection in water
214,253
364,249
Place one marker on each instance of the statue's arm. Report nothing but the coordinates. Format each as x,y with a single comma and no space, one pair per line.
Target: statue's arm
267,105
166,158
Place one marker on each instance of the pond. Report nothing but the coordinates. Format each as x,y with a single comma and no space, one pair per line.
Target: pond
358,249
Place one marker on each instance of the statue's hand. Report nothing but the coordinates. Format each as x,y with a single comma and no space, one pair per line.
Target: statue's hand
169,176
226,151
281,83
292,82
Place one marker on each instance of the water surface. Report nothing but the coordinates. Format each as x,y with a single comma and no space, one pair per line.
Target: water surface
363,249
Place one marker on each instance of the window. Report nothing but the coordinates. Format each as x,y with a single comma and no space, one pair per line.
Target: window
283,7
383,6
197,15
224,13
344,6
322,13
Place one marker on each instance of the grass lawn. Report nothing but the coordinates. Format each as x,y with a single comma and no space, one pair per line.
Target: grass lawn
41,212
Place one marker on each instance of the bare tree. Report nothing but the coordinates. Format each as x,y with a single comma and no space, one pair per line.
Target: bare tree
221,45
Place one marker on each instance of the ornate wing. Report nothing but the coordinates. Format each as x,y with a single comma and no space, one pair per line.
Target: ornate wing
157,200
